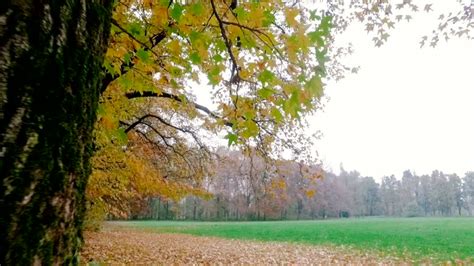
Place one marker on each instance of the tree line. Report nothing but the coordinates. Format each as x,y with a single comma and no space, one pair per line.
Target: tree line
244,188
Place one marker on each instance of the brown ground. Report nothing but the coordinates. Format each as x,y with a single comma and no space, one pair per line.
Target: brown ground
125,246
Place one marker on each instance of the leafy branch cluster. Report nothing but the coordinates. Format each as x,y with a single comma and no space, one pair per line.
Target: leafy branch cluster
263,63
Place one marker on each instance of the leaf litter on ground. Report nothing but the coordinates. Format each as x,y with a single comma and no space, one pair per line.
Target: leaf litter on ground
119,245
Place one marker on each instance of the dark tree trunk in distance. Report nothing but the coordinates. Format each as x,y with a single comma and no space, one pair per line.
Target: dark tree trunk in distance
51,54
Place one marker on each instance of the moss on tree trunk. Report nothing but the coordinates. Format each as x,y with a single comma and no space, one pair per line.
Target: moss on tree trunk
51,54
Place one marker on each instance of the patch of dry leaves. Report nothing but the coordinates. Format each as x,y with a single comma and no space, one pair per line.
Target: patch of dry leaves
125,246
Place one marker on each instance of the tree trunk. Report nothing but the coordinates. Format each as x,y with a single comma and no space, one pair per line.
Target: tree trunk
194,208
51,54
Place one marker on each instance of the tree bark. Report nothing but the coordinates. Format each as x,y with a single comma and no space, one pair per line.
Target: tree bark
51,54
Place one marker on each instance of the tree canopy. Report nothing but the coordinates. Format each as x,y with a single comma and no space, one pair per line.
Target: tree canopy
262,65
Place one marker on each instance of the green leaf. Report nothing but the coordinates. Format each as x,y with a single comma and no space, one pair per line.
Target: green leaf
215,71
110,69
135,29
220,45
176,12
301,78
127,58
232,138
195,58
251,129
122,136
316,37
164,2
292,105
213,75
174,84
266,76
294,98
325,25
269,18
313,16
183,98
143,55
315,86
265,93
250,114
125,82
277,115
217,58
176,71
101,110
321,57
194,35
196,9
249,43
241,13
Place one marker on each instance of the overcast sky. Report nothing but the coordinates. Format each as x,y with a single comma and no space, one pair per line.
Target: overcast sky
407,108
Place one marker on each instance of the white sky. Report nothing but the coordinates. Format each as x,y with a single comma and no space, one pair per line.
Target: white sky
407,108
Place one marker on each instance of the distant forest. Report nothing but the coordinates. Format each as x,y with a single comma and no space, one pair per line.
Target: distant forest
246,188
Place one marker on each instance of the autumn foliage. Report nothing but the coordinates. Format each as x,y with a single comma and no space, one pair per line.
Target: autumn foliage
260,63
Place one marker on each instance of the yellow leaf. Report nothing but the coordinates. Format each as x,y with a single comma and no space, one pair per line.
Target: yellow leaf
290,15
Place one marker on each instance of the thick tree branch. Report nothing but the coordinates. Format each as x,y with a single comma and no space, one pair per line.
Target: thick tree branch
137,94
142,120
164,139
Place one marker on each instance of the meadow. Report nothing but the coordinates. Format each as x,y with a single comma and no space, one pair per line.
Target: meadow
438,239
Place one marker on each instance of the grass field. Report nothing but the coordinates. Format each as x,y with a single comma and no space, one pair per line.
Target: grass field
418,238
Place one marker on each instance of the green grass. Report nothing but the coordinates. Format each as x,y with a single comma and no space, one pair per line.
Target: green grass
419,238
